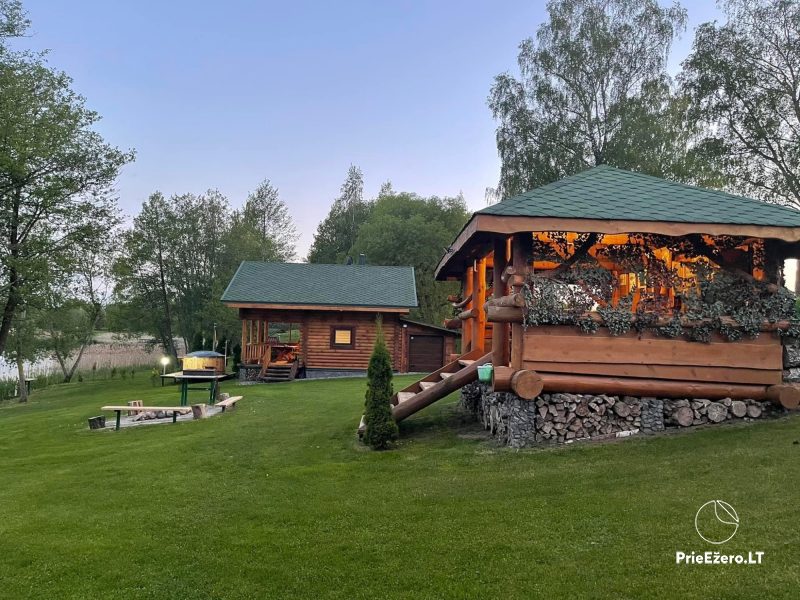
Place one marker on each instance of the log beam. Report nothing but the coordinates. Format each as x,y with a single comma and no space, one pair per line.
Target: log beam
505,314
466,332
501,379
660,388
500,331
786,395
521,249
514,300
453,323
527,384
465,315
478,300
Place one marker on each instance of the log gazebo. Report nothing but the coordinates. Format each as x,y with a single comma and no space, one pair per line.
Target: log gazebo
615,282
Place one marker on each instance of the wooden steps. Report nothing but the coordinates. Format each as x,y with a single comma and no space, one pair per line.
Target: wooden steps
422,393
403,396
278,372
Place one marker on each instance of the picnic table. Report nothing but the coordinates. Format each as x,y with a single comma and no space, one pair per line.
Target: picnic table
208,382
175,410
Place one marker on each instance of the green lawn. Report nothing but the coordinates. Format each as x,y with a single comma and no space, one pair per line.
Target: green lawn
277,500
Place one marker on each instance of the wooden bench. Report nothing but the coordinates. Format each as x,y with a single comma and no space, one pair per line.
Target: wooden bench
228,402
183,410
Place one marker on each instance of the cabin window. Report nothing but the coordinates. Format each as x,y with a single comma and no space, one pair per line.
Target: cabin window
343,337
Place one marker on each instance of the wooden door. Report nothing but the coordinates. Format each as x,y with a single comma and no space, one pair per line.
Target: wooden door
425,353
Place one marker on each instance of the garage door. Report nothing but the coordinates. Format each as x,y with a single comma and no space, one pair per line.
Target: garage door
425,353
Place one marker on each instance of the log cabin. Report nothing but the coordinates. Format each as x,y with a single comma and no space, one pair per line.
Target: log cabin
615,282
319,320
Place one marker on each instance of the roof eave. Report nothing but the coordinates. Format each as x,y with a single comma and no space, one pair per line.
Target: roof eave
510,224
320,307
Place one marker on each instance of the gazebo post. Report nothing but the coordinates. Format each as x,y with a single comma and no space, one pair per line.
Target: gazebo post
521,248
499,330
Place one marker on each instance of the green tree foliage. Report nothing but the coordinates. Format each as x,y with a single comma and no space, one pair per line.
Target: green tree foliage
406,229
180,255
13,20
143,273
336,234
264,227
593,89
24,345
381,429
74,305
744,80
56,174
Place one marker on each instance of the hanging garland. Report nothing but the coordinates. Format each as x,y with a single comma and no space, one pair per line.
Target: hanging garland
713,290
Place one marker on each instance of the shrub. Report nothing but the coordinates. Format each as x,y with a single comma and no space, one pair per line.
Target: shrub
381,429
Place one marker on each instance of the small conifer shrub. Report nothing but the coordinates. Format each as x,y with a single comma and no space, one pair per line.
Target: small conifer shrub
381,430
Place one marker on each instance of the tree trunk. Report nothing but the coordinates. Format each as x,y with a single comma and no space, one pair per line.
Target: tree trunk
69,375
169,345
23,385
12,301
96,312
61,360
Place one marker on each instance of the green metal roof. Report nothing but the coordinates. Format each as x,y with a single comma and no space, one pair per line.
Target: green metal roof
316,284
614,194
429,326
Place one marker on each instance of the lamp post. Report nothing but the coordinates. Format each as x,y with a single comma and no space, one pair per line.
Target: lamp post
164,363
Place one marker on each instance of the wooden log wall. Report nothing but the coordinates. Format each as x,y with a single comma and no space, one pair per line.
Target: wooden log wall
316,336
564,349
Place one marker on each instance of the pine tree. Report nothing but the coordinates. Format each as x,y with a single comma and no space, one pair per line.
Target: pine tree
337,233
381,429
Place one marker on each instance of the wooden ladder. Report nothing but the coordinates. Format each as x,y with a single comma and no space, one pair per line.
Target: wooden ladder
435,386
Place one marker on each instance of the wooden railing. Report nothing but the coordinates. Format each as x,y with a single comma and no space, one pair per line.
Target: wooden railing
253,352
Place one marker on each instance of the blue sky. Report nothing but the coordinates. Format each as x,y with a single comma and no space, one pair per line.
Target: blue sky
223,95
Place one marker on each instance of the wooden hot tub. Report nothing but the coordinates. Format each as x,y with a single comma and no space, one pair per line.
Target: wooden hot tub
203,362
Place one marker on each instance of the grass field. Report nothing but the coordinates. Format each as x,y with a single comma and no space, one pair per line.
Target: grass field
277,500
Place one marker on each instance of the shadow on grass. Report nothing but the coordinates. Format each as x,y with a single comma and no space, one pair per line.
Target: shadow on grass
447,420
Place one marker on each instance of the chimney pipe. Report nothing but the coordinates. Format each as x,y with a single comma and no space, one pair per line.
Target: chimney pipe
362,259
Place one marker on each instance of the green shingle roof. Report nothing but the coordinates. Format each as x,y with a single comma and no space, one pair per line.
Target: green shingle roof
315,284
614,194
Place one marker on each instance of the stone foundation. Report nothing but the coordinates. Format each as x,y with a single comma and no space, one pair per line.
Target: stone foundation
558,418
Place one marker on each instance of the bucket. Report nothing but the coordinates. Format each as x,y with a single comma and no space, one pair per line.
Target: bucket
485,373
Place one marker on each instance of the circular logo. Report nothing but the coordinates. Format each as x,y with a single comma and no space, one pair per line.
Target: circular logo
716,522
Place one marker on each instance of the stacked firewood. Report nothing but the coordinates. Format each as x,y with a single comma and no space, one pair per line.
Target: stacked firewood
554,418
574,416
683,413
